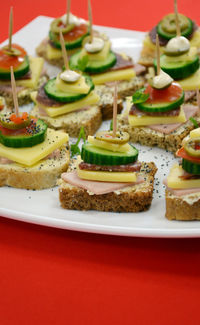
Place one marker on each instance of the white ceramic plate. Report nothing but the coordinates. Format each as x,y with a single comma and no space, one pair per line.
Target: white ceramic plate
42,207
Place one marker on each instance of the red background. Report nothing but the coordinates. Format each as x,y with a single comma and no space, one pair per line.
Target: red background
51,276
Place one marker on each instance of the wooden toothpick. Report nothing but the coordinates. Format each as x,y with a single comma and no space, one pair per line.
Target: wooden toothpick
198,102
16,106
115,111
158,54
68,11
178,30
10,29
90,20
64,51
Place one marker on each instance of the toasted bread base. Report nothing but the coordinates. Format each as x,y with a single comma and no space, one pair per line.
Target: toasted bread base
179,209
42,175
131,199
148,137
71,123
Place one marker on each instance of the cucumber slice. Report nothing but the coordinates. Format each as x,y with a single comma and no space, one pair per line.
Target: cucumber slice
93,67
160,107
178,70
18,72
64,97
166,35
191,167
37,135
98,156
69,45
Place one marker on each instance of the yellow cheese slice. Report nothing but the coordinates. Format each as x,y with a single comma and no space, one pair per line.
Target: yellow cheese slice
78,87
192,82
101,56
175,182
149,120
123,177
36,66
184,57
30,156
124,74
108,146
54,53
195,133
91,99
195,40
147,42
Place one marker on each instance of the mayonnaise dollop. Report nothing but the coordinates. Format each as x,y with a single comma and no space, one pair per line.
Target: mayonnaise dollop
178,44
73,20
70,76
162,80
95,46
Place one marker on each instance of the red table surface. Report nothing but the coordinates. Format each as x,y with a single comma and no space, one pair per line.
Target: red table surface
51,276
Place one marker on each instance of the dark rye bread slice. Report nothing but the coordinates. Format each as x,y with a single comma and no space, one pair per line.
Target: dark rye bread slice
182,208
135,198
146,136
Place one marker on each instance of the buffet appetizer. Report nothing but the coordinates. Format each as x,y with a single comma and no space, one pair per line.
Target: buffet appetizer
156,115
97,59
68,101
32,156
183,181
74,30
108,175
166,30
28,71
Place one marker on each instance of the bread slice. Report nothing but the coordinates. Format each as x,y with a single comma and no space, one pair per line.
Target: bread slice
23,94
71,123
148,137
42,175
182,208
130,199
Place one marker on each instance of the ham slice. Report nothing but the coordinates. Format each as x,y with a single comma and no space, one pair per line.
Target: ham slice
95,187
189,94
190,111
181,191
139,69
5,161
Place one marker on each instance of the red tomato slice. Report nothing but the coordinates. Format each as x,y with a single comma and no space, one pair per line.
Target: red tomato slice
75,33
6,61
183,154
10,132
170,94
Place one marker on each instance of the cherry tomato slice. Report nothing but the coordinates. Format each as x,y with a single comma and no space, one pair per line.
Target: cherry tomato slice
6,60
75,33
170,94
183,154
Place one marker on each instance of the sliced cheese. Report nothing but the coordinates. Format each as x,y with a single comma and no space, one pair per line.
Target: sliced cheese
124,74
54,53
100,56
195,133
147,42
36,66
78,87
30,156
192,82
150,120
175,182
189,56
108,146
123,177
91,99
195,40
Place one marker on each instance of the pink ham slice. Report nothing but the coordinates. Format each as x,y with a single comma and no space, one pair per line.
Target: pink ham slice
5,161
95,187
139,69
181,192
190,111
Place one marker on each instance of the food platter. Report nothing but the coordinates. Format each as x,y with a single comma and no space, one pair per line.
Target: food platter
42,207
